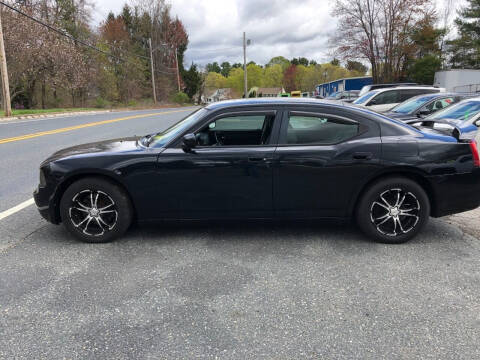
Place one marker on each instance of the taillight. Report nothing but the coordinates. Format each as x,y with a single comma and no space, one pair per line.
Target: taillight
476,158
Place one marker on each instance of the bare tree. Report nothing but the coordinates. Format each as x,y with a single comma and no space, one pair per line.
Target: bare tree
378,31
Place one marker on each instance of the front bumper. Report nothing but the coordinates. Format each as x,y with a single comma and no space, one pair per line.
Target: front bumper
46,207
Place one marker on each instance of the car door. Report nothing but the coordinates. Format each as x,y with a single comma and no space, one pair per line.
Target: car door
322,158
228,174
384,101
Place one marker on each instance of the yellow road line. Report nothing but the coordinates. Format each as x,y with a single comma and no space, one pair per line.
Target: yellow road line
76,127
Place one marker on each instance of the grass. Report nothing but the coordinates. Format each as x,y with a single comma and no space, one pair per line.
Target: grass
46,111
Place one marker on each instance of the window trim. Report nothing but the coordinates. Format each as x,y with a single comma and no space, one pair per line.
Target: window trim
286,117
273,139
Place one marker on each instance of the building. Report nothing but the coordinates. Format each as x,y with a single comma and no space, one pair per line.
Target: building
355,83
458,80
265,92
219,95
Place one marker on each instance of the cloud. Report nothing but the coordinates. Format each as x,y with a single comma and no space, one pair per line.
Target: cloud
276,27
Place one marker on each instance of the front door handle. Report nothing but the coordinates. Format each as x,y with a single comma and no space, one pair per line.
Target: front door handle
258,158
362,156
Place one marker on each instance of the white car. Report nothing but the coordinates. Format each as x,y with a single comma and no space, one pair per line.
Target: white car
383,100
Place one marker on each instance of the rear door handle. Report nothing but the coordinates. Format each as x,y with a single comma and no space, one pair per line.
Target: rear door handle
362,156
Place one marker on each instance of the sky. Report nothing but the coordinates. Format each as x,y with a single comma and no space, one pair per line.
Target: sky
289,28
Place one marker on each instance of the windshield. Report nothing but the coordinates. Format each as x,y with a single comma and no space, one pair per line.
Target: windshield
161,139
411,105
365,89
461,111
365,97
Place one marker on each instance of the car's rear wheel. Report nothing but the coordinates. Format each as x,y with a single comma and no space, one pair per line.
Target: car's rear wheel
393,210
95,210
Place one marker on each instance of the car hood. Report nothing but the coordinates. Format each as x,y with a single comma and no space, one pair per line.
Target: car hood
121,145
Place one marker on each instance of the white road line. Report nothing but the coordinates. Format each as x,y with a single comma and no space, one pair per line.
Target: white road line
17,208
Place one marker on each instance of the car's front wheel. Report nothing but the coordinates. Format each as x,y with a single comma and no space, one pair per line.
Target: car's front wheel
95,210
393,210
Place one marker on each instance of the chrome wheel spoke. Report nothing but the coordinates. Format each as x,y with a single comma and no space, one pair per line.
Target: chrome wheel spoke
100,225
380,204
86,226
385,201
88,219
402,220
80,209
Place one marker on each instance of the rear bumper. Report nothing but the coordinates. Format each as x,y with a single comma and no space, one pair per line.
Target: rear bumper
455,193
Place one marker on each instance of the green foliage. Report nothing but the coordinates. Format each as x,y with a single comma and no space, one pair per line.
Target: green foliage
101,103
192,80
465,49
335,62
226,67
180,98
356,66
279,60
423,70
214,67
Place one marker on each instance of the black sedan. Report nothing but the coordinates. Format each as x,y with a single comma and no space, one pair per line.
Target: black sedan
265,158
424,105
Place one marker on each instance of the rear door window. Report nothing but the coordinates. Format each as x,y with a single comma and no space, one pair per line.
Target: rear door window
319,130
386,97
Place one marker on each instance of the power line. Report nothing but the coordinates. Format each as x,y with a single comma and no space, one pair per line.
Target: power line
60,31
68,36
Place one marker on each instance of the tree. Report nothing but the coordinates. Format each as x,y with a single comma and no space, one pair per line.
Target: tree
193,80
215,80
465,50
335,62
273,76
356,66
279,60
378,31
225,68
423,70
214,67
290,78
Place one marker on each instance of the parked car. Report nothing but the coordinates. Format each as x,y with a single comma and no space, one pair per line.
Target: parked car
464,115
346,96
367,88
422,106
383,100
265,158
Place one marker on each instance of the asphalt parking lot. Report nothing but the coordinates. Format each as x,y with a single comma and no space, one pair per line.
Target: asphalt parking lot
227,291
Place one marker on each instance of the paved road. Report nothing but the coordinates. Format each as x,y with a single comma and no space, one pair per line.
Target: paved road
249,290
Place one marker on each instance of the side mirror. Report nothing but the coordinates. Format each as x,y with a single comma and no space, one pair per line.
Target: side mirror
189,142
423,113
372,102
477,123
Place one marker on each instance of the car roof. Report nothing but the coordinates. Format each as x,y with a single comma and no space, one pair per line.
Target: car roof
406,88
268,101
433,96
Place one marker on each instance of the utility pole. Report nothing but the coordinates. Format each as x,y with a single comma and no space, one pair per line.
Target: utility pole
4,71
245,88
153,72
178,72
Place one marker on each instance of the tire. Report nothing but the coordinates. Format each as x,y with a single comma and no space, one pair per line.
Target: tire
399,216
95,210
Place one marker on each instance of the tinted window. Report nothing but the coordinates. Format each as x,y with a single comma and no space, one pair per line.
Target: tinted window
365,97
161,139
436,105
461,111
412,104
387,97
304,130
243,130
